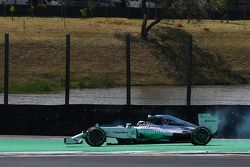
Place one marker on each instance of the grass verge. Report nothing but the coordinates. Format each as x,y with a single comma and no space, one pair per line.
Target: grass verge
53,86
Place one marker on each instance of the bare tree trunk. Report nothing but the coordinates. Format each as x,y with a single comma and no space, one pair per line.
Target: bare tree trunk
227,13
144,35
146,28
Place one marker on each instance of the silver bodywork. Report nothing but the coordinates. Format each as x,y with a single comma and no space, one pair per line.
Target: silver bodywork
158,128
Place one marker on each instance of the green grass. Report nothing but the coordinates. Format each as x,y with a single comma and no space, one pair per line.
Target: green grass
38,86
53,86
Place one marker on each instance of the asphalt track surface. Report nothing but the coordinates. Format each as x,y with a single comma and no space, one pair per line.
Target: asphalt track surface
127,161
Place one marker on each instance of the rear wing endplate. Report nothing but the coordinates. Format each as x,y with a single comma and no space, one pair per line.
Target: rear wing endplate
209,121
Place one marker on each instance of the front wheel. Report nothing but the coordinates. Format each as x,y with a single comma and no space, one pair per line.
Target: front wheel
200,136
95,136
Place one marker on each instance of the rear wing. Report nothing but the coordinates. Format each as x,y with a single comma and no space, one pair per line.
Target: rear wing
208,121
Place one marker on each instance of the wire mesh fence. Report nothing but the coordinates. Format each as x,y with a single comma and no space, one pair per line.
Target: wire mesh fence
161,69
36,66
98,69
157,63
221,69
1,69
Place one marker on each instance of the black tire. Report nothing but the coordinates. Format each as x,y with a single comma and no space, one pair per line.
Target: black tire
95,136
201,136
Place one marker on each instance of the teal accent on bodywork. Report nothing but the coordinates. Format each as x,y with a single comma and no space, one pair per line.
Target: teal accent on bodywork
208,121
153,134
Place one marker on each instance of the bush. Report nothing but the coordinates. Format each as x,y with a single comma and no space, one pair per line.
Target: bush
179,25
84,12
206,29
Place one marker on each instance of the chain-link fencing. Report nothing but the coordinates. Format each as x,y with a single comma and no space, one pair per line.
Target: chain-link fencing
221,69
36,69
159,70
168,69
98,69
1,68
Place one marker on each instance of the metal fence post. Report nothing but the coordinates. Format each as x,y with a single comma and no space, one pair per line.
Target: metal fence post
189,70
128,40
6,68
67,80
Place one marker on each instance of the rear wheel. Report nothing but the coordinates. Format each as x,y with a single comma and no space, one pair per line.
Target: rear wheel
95,136
200,136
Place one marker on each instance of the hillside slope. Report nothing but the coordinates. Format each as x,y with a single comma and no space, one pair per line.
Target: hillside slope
37,53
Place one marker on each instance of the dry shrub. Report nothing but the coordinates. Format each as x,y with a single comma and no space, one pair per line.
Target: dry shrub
179,25
206,29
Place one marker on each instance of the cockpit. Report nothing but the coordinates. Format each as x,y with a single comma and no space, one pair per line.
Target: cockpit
167,120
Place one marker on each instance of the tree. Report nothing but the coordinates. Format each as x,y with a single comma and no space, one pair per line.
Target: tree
91,8
61,2
4,8
31,8
42,8
192,8
222,6
84,12
145,27
12,11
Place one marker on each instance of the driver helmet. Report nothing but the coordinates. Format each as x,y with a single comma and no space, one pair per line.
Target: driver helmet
140,123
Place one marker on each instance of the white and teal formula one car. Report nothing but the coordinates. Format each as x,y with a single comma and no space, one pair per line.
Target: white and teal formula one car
157,129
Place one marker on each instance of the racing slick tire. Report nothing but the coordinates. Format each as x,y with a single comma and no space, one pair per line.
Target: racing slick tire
95,136
200,136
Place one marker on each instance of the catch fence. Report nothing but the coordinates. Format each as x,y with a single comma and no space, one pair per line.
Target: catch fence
123,69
